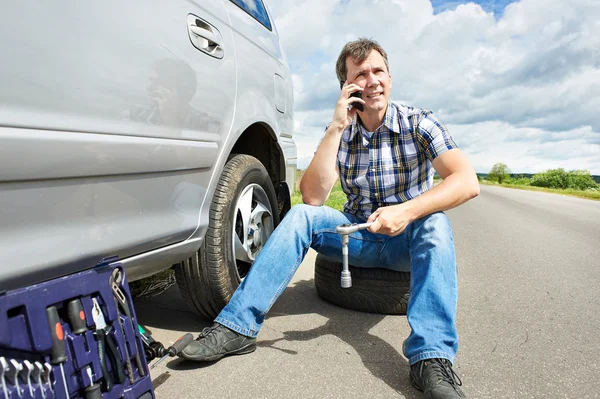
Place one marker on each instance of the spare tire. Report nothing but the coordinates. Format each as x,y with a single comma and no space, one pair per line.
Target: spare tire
373,290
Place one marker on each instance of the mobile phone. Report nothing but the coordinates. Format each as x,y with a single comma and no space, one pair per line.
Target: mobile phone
358,94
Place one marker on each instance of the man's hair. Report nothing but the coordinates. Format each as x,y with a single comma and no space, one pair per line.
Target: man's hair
358,51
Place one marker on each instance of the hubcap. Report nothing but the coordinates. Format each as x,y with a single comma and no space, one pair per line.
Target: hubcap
252,226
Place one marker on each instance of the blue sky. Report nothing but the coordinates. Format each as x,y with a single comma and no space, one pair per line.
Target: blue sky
516,82
495,6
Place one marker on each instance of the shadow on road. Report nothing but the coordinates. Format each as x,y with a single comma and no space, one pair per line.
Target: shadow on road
169,311
379,357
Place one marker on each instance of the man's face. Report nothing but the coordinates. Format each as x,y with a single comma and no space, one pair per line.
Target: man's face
373,76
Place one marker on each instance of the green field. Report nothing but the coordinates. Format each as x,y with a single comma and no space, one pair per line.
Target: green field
336,199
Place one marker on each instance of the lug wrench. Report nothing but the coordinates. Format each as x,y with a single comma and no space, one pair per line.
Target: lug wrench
344,230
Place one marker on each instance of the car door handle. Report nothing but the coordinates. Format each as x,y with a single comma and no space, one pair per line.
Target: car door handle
213,40
204,36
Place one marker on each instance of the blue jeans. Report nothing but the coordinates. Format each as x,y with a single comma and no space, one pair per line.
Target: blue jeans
425,248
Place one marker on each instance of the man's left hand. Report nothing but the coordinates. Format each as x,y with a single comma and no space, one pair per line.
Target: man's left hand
390,220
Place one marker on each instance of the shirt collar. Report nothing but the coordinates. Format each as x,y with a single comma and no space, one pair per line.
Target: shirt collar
390,120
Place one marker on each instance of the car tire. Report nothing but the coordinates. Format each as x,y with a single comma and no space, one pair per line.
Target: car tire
374,290
244,206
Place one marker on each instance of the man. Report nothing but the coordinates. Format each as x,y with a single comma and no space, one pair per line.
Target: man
385,158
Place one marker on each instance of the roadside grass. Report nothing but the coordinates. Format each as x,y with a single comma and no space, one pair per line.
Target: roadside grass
588,194
336,199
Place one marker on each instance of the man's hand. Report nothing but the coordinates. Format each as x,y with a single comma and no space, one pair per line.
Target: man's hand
391,220
342,117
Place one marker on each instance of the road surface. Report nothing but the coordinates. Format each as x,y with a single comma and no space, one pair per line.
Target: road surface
529,323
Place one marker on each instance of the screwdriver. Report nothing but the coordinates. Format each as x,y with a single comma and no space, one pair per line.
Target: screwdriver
174,349
58,354
79,326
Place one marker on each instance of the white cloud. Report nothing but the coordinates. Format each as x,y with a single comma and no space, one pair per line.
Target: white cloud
527,150
534,74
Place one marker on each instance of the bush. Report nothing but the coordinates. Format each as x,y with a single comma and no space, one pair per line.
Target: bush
559,178
581,180
521,181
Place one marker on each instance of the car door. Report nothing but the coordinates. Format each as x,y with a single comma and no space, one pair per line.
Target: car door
262,68
111,117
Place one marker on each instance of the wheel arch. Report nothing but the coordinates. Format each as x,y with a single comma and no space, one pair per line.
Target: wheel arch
260,141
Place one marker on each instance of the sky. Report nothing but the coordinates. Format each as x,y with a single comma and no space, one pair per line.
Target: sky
516,82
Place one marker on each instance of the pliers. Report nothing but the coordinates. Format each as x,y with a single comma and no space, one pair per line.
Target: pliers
107,349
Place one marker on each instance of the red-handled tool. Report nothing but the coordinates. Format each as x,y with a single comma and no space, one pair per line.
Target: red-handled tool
58,354
78,325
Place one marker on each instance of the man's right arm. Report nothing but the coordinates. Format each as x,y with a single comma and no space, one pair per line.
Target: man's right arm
322,173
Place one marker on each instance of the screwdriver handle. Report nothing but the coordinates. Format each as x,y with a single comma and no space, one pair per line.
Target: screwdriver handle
58,354
174,349
76,316
93,392
180,344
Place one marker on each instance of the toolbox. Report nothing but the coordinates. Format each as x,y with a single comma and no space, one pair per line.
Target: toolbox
73,337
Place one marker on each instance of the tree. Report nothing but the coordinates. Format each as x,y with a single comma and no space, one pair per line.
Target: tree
499,173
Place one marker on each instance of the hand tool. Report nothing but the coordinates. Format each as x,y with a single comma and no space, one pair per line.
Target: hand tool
76,316
16,367
174,349
37,374
344,230
93,391
47,370
107,349
3,369
28,369
58,355
152,348
78,325
121,302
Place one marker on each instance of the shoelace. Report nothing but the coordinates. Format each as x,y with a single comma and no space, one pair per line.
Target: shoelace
445,372
207,331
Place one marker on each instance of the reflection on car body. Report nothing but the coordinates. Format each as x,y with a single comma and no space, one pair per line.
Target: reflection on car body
132,135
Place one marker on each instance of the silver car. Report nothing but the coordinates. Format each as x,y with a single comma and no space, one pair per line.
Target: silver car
156,131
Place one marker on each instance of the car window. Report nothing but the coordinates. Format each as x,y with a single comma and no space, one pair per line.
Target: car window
256,8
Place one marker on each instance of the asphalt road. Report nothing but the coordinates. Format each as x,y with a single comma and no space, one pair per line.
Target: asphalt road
529,323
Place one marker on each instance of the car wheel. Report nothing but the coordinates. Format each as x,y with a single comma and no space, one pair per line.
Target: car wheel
243,214
373,290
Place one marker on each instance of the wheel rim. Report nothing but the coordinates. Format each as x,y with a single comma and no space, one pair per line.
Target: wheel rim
252,226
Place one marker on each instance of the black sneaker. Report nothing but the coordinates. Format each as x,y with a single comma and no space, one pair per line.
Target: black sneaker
436,379
218,341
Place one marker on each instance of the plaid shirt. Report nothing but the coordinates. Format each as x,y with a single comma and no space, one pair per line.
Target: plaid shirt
394,165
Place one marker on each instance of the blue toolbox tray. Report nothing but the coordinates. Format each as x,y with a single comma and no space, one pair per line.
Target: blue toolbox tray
34,319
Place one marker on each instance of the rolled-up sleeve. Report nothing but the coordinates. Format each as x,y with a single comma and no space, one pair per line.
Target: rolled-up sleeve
434,137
